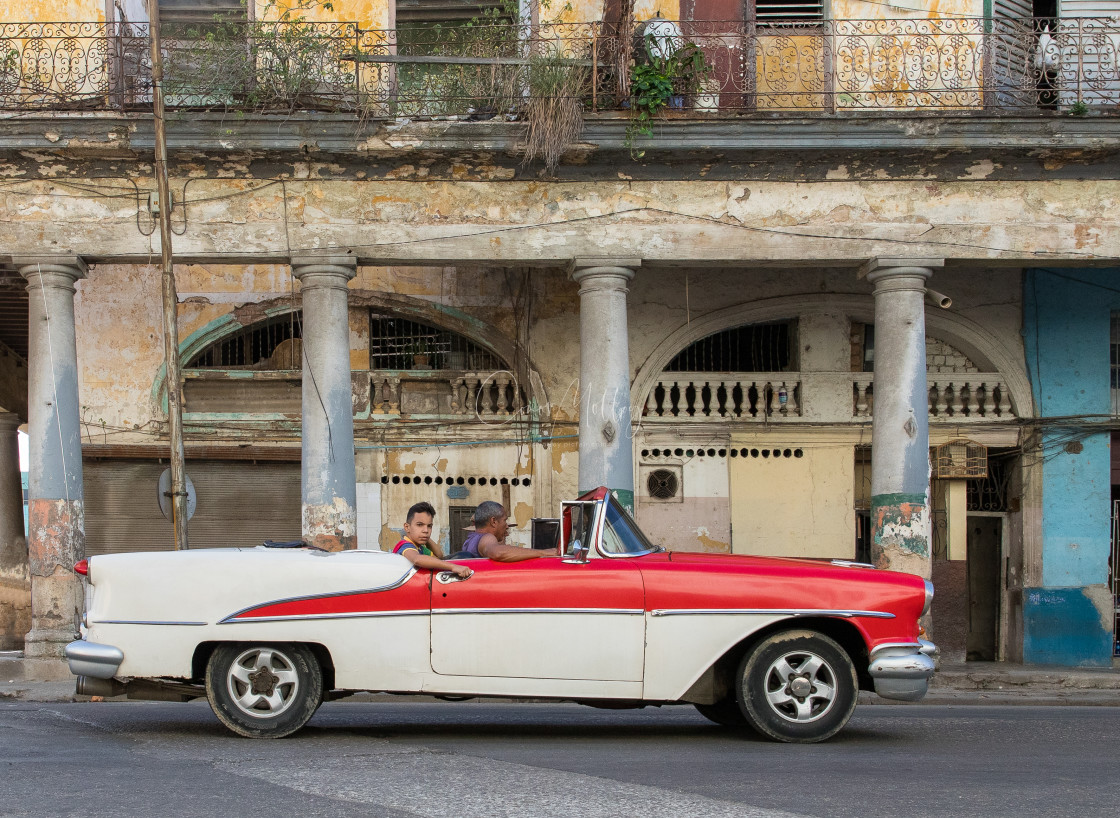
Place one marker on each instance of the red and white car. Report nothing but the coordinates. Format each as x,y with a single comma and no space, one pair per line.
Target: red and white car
267,634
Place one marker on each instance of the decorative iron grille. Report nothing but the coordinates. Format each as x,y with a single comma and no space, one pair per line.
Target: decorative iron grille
749,348
992,493
489,69
401,344
260,346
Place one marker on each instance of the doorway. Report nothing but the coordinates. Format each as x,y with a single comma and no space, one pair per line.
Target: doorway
985,555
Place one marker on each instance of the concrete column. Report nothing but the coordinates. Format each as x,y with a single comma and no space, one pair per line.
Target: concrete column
56,516
900,502
15,581
606,446
328,473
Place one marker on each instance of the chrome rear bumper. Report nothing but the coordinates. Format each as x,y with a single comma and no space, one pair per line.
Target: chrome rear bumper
93,660
903,671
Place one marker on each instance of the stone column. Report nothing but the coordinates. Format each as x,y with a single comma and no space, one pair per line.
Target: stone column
56,517
15,582
900,501
606,446
328,474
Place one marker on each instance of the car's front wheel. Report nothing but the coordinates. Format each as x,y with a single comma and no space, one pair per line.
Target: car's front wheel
798,686
264,691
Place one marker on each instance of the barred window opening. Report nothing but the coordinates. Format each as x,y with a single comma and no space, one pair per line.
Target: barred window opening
750,348
258,346
403,344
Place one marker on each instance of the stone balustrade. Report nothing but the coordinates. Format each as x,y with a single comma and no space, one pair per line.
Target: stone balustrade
721,396
955,397
445,392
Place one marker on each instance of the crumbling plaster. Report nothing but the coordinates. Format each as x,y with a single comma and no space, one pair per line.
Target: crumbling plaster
530,222
24,11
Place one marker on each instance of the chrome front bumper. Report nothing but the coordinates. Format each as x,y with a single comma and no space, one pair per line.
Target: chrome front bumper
903,671
93,660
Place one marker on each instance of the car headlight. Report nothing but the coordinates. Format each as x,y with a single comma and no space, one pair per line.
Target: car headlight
929,598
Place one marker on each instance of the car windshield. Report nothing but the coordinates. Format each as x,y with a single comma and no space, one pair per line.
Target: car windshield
621,534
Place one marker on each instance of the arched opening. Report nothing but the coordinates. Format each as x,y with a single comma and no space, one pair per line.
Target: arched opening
397,342
272,344
727,374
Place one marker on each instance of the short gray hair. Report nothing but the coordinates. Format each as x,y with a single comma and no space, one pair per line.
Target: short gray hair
487,510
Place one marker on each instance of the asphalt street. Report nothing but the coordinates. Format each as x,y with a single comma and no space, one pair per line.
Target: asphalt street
461,760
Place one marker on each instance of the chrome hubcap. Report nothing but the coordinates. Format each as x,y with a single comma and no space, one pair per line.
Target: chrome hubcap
263,682
800,686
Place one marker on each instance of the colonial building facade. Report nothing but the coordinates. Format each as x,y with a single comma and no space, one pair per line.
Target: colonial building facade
806,313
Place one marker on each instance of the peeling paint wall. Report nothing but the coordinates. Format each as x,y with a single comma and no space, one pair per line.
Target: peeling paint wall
1067,333
402,216
52,11
367,13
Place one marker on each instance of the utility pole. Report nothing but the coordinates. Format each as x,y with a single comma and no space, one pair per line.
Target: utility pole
170,296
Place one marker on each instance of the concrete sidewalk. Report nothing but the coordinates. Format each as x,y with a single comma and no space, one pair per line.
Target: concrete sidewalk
989,683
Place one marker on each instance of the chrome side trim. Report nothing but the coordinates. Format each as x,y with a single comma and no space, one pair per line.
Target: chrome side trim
627,611
141,622
929,598
298,617
393,586
768,612
92,659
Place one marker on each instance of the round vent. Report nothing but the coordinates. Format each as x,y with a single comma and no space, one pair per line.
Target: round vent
662,484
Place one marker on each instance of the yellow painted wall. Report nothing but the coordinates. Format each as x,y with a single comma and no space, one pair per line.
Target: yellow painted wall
863,10
366,13
794,506
52,11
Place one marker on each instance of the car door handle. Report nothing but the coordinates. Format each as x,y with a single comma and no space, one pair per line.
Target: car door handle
444,577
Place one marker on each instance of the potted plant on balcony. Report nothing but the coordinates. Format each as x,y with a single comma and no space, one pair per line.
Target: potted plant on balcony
557,85
421,352
662,80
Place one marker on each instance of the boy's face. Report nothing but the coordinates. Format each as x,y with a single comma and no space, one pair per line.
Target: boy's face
420,529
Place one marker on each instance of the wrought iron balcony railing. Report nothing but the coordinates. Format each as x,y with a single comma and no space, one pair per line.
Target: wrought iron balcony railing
485,71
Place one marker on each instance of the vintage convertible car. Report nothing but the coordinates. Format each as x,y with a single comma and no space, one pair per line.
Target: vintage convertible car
267,634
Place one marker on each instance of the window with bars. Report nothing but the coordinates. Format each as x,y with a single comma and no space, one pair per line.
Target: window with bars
401,343
749,348
258,346
992,493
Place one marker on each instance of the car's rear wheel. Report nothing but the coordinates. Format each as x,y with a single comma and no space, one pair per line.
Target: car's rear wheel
798,686
264,691
725,713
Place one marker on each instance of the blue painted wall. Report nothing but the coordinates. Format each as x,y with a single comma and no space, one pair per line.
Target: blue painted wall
1066,326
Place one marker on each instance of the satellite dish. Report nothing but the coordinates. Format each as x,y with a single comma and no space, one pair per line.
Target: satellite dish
165,495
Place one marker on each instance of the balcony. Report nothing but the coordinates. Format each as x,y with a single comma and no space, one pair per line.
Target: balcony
779,397
485,72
